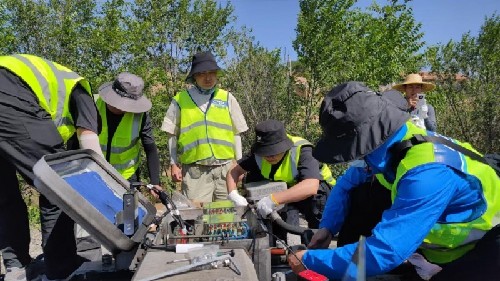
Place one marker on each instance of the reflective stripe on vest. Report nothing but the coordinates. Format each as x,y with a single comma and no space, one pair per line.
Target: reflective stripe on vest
288,171
327,176
52,83
205,135
381,179
125,146
447,242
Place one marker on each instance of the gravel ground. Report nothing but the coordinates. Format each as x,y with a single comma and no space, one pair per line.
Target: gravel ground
36,242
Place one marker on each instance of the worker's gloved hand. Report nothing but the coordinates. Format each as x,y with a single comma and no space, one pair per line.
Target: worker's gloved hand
238,200
321,239
266,206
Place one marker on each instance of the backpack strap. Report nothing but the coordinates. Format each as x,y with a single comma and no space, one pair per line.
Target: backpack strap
399,150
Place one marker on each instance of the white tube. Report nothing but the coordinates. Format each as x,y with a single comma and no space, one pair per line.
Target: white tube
172,149
237,147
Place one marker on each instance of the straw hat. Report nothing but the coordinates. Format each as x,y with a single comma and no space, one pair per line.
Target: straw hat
414,79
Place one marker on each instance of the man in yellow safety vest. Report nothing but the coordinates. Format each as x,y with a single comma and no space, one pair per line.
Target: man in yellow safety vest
204,124
126,125
277,156
42,105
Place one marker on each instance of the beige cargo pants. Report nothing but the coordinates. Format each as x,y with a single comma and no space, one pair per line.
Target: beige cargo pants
202,183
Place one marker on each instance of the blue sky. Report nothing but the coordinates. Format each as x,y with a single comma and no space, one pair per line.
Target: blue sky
273,21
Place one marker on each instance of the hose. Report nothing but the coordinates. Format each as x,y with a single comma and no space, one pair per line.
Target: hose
165,200
294,229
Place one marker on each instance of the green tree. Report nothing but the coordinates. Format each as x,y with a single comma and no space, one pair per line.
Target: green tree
106,42
260,82
467,99
63,31
392,40
7,30
23,24
162,37
337,42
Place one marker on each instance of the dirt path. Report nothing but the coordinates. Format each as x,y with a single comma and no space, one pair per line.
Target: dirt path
36,242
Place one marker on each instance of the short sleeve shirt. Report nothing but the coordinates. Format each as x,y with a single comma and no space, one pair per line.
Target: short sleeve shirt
172,120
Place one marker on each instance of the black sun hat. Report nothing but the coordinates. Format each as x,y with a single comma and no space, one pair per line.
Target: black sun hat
355,121
201,62
270,138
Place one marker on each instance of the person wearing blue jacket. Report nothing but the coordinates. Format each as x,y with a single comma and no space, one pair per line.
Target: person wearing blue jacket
445,205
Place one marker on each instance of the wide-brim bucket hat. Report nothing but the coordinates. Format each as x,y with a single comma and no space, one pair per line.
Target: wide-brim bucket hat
202,62
271,138
355,121
414,78
126,93
397,98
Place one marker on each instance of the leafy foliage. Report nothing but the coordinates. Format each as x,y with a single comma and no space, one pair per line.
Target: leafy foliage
469,109
335,42
260,83
152,38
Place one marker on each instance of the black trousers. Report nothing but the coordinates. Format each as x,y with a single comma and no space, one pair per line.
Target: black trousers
481,263
367,203
26,134
370,200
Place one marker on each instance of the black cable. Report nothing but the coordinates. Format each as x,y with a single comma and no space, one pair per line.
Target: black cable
159,219
294,229
165,199
275,236
288,248
167,248
283,242
168,202
253,248
171,208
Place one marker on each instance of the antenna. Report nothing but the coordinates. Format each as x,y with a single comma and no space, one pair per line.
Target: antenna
358,263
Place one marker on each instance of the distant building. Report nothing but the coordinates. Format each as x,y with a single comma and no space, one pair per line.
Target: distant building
426,77
433,77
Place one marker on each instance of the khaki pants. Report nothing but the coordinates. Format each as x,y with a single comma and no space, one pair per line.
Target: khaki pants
205,183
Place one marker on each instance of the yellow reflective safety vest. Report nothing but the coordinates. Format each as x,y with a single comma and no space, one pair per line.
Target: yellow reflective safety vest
204,135
125,147
52,83
450,241
287,171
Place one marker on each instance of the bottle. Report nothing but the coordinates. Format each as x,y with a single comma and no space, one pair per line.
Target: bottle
419,114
